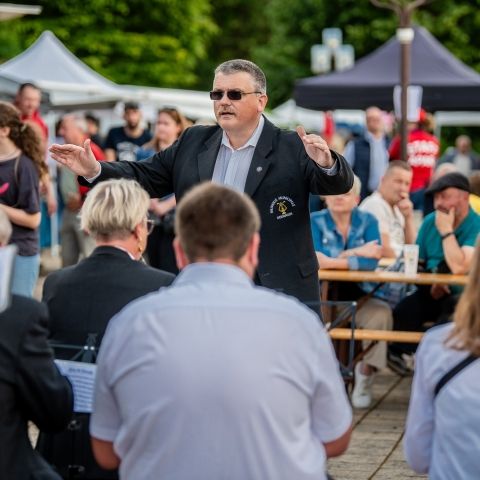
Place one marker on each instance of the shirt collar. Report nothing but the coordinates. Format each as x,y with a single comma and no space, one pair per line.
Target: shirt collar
211,272
251,142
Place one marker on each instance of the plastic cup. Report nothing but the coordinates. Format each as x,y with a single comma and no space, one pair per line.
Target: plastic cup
410,259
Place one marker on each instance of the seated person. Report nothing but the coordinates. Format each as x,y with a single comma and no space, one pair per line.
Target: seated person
31,386
446,242
391,206
442,436
84,297
346,238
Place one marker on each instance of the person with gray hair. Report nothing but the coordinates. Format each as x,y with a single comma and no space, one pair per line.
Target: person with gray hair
83,298
347,238
278,169
74,242
221,379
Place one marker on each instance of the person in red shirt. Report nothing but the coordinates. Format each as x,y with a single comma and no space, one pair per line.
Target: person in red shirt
423,150
74,241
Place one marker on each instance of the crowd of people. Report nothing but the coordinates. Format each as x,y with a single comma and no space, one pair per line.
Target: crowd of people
213,359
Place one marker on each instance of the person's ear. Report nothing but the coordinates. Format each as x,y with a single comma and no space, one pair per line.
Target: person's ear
180,257
262,102
4,132
253,248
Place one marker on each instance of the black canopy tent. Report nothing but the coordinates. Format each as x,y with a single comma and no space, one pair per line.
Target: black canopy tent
447,83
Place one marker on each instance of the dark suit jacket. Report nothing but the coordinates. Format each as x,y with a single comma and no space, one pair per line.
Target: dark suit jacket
31,388
279,181
82,299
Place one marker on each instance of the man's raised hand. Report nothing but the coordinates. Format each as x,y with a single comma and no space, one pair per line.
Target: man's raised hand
316,148
80,160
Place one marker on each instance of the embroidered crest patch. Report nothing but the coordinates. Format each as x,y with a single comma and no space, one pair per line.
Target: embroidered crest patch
282,207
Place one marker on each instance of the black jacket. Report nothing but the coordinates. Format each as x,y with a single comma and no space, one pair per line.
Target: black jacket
279,181
31,388
81,300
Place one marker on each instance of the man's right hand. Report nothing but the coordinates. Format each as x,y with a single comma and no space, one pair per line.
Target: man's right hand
80,160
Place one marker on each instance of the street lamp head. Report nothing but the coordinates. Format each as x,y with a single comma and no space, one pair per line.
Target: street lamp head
405,35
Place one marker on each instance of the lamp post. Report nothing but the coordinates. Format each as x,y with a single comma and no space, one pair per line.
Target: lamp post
405,34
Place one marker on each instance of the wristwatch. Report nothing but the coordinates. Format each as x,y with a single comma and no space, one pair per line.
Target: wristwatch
445,235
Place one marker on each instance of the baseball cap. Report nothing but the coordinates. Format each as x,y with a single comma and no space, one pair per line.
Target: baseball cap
449,180
131,106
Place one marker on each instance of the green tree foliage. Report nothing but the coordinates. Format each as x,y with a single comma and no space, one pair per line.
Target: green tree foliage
159,43
242,26
296,25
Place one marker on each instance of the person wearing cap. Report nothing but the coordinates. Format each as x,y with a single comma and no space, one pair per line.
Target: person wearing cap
122,143
422,153
446,241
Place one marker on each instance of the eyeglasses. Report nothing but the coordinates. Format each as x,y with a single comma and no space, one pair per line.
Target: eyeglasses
231,94
150,225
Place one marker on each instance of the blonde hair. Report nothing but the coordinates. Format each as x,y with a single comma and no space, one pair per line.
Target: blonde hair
5,228
214,221
114,208
466,319
357,186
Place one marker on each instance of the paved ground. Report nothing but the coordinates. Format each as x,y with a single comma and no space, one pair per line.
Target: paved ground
375,451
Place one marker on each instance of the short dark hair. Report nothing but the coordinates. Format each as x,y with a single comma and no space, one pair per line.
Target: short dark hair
92,118
213,221
25,85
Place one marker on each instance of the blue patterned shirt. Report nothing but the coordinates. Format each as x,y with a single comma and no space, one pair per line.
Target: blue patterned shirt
329,241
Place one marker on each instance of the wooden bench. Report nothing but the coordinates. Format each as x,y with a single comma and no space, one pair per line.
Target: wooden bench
375,335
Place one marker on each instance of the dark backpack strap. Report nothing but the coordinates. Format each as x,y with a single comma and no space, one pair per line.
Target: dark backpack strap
452,372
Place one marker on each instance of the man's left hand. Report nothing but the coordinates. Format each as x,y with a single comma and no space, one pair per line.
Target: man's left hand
316,148
444,221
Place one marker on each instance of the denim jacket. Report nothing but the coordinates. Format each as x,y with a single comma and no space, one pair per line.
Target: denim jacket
329,241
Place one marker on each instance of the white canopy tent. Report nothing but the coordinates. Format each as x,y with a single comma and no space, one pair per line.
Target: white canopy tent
69,83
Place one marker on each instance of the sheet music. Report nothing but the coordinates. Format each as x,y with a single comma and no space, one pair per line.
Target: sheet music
7,259
82,377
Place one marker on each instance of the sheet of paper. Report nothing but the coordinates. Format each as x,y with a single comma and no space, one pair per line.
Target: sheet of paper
7,259
82,378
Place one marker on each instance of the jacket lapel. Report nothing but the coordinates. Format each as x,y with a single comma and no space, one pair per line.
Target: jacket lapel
260,162
206,159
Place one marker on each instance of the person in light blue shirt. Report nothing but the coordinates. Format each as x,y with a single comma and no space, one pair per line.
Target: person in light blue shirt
215,378
346,238
368,154
442,435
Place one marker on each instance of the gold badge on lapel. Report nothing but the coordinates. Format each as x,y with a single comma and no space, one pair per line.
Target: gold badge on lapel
283,207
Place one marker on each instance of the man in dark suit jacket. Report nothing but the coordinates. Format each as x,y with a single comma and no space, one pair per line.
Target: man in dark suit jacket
278,169
83,298
31,388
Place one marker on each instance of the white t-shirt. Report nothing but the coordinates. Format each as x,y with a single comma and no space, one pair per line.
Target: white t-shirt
390,220
215,378
442,435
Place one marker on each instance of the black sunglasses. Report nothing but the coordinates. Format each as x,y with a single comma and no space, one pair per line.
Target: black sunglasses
231,94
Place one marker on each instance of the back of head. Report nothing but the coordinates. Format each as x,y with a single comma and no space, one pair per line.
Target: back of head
5,229
214,222
231,67
113,208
